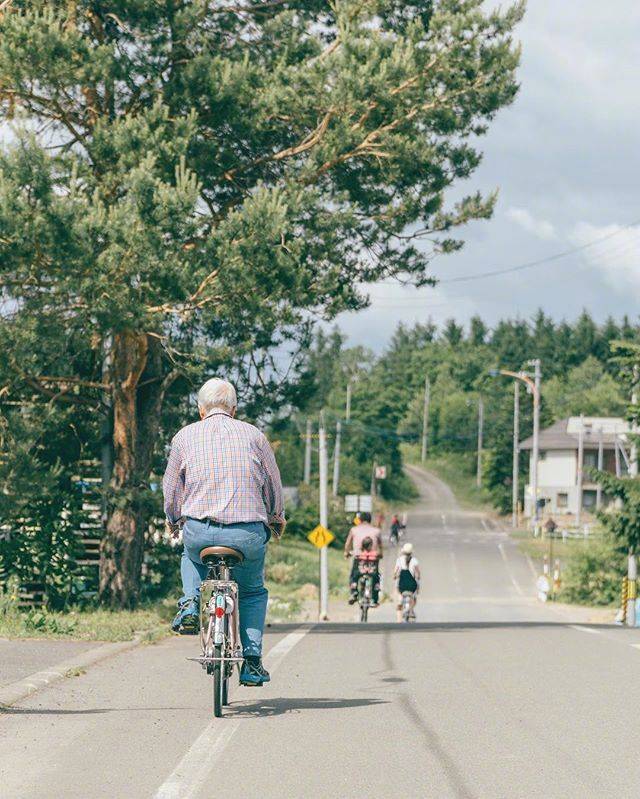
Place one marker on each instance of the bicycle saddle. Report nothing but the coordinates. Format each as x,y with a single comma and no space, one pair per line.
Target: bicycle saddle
221,552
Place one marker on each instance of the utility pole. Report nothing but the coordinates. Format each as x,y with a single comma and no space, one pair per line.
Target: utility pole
537,376
600,467
307,453
336,459
425,418
533,385
580,467
516,454
347,414
324,520
373,479
480,432
632,565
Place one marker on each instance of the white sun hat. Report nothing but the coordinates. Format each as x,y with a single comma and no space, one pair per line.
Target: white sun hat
407,549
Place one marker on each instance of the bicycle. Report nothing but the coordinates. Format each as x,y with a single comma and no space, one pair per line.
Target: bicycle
407,607
219,621
367,569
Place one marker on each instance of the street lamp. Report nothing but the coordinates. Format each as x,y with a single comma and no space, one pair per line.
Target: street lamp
532,381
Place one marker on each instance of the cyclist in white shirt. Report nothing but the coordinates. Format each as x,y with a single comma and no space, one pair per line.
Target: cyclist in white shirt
406,575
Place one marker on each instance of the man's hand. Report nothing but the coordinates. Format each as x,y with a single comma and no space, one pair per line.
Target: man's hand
347,555
277,527
172,528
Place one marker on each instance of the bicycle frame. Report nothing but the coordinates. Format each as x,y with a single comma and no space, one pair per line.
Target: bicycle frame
219,618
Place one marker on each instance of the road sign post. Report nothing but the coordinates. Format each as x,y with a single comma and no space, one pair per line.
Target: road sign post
324,521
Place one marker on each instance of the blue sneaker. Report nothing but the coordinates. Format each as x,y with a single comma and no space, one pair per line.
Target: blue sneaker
187,620
253,673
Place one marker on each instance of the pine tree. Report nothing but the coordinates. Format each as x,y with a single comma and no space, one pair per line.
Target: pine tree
192,180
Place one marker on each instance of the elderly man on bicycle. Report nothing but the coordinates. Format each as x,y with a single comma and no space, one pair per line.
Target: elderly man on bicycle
222,486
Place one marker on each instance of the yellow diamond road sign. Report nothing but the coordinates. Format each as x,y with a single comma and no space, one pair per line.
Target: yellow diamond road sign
320,536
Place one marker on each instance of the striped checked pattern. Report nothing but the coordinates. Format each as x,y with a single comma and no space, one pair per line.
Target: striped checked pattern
222,469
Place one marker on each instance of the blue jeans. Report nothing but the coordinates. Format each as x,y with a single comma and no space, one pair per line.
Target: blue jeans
251,539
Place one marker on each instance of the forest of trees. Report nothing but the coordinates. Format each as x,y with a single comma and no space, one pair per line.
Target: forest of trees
48,445
579,376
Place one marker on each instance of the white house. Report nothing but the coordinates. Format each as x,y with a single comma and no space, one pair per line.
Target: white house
558,461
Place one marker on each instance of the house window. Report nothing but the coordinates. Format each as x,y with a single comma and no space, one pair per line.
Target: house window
589,499
562,500
590,460
542,455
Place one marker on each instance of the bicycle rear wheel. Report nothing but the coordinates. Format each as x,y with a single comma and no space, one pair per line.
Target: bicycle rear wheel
225,691
218,681
364,612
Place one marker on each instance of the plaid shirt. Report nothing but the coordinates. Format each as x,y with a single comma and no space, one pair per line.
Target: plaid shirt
222,469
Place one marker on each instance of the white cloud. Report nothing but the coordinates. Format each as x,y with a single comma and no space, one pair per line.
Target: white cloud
541,228
614,253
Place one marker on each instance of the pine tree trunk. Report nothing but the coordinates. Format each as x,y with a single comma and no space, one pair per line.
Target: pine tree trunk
123,541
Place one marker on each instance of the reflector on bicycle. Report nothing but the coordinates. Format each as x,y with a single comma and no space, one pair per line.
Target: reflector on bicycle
220,612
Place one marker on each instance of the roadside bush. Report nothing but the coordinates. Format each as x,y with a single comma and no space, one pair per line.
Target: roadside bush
593,575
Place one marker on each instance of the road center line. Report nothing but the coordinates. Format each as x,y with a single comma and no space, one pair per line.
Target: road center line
192,771
516,584
582,629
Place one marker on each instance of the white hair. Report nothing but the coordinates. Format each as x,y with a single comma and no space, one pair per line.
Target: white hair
217,393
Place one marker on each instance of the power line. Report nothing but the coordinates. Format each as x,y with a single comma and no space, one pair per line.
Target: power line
540,261
526,265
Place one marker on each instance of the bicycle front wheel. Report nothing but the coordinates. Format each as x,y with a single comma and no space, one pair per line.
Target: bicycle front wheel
218,682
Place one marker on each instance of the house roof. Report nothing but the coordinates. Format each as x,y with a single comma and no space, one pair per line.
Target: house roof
564,433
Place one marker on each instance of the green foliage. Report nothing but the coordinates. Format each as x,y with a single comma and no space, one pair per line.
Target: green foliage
593,575
40,504
587,389
623,521
302,520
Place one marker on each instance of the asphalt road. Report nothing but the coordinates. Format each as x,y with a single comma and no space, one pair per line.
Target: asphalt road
490,695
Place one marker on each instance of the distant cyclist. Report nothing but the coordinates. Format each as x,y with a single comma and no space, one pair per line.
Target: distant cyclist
395,529
406,575
353,546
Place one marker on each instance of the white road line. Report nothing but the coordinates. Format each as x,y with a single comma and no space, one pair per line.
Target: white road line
516,584
444,519
582,629
532,567
635,646
193,770
485,525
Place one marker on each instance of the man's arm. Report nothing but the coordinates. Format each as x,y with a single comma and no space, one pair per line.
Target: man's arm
347,544
173,485
272,491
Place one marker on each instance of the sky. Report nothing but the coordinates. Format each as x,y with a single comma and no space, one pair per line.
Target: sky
565,158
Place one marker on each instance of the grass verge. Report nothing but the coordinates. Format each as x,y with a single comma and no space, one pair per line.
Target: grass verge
292,574
86,624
